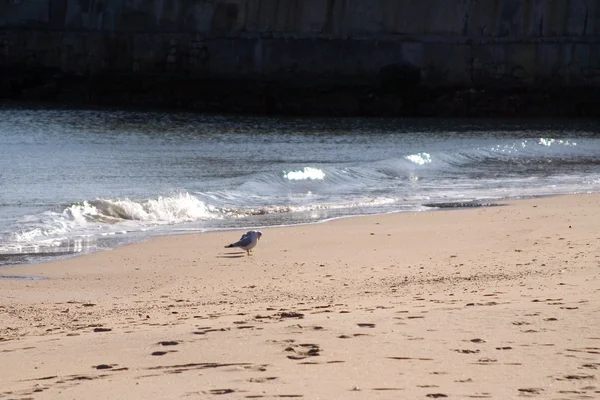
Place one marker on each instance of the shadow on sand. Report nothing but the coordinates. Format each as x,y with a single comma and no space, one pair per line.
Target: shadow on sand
237,254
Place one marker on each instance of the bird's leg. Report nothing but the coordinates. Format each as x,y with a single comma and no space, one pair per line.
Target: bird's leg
248,251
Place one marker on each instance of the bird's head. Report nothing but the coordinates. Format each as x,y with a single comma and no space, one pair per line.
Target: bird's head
258,234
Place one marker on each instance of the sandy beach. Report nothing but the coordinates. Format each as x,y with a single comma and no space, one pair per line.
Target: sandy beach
496,302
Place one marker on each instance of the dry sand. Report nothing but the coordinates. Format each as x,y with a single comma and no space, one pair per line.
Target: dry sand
499,302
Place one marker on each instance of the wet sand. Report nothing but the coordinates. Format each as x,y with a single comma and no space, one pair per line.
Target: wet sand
498,302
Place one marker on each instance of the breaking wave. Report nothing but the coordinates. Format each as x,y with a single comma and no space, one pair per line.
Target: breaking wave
316,191
179,208
104,217
308,173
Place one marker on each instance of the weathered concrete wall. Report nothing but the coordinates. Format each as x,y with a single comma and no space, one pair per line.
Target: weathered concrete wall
334,18
449,43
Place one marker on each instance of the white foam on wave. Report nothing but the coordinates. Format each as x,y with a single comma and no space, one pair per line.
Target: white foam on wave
353,203
549,142
516,147
308,173
180,208
79,213
107,217
419,158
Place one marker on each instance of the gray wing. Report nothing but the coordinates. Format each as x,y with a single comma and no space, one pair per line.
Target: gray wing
246,240
245,235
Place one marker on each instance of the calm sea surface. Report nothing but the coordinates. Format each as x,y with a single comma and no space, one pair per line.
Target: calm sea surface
75,181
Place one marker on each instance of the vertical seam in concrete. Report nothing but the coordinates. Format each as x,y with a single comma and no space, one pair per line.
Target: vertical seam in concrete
328,26
585,21
566,16
277,2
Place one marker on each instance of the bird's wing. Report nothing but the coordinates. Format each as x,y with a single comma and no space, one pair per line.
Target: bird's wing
244,241
249,233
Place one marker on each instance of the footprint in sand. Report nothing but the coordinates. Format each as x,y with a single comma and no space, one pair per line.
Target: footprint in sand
169,343
103,366
484,361
591,366
222,391
531,390
575,377
466,351
162,353
304,350
291,314
262,380
204,331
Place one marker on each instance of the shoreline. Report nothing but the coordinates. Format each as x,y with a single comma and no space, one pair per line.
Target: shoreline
476,204
491,302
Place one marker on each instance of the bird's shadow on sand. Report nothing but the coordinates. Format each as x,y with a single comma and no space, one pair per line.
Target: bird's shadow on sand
237,254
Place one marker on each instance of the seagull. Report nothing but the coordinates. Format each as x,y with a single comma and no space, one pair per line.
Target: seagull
247,241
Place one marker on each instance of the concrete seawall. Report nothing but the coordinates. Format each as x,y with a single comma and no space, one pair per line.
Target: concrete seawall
427,57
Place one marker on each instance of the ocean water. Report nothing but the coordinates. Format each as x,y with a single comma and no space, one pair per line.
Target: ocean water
75,181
